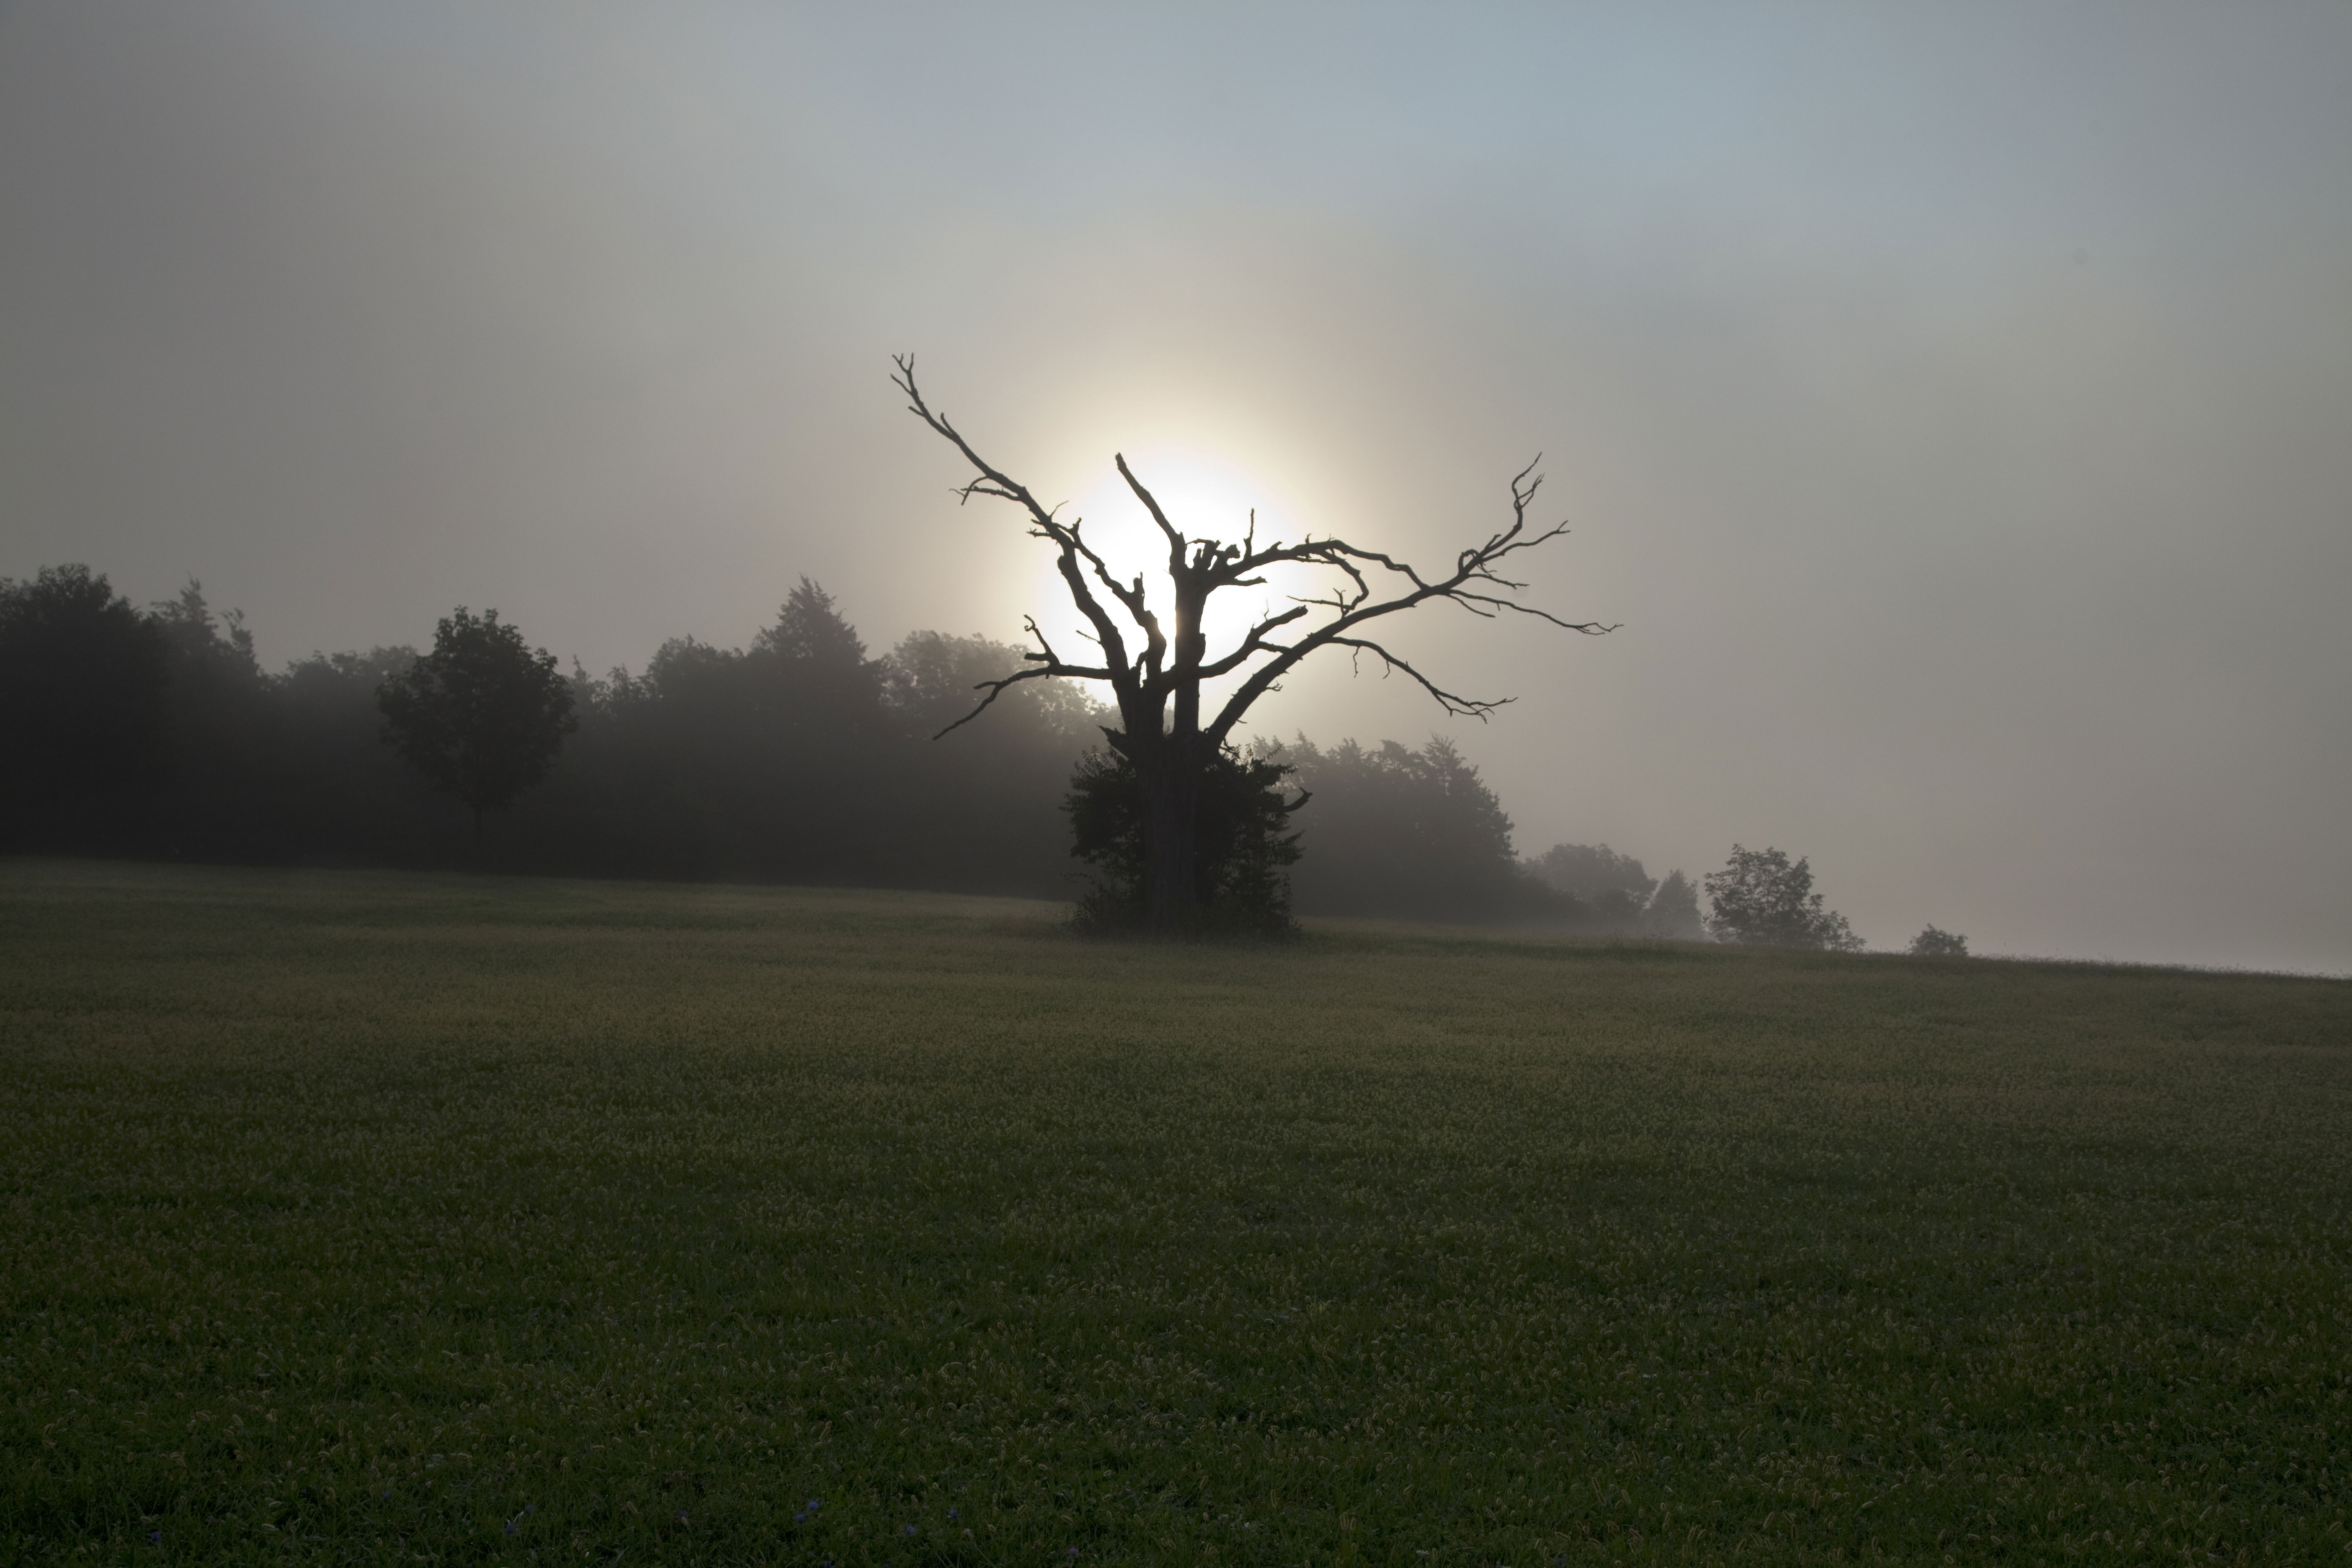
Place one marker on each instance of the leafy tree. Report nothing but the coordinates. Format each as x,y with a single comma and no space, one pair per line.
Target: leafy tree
811,632
1154,652
342,795
1240,887
1934,943
809,669
227,756
1586,869
83,690
930,679
776,759
482,716
1761,900
1410,833
204,647
1611,886
1673,910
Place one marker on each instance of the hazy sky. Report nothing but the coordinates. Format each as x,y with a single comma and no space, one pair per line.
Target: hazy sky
1953,403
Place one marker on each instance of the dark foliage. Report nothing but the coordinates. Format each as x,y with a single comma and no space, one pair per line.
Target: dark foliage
1934,943
1413,835
1761,900
1618,896
1612,888
1242,848
83,679
482,715
1673,910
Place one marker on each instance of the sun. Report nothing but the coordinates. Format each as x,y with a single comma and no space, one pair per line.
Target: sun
1206,497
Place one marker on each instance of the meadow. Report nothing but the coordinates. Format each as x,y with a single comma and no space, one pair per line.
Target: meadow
361,1217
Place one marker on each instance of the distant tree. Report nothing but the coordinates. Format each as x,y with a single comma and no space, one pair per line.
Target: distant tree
482,716
1413,834
1673,910
1761,900
1934,943
1613,886
930,679
205,647
343,795
1243,847
810,668
226,734
1617,895
810,631
83,692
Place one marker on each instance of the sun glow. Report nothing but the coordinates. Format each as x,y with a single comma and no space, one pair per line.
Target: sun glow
1205,497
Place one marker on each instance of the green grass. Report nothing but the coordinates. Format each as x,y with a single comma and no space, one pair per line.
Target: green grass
360,1217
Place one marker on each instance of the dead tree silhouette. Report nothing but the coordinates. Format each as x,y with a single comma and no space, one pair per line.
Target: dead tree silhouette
1158,685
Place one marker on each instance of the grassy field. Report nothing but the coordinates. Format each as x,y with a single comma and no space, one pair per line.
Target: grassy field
358,1217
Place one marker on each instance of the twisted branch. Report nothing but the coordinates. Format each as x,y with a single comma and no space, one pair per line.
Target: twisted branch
1144,683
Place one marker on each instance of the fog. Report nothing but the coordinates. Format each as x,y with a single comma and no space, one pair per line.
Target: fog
1953,404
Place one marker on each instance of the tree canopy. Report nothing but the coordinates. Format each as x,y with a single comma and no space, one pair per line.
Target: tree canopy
1245,848
482,715
1762,899
83,678
1934,943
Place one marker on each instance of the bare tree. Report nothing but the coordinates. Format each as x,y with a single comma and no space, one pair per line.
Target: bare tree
1158,684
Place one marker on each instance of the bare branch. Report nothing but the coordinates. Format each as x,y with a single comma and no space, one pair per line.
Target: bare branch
1255,643
1477,582
1590,629
994,483
996,688
1460,706
1049,665
1472,568
1175,540
1057,664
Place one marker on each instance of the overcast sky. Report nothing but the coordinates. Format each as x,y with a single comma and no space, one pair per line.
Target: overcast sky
1954,403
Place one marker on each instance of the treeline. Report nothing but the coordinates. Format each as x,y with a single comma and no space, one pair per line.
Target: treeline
1417,834
156,733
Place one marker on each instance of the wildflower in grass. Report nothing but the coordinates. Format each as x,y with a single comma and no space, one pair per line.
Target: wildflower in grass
510,1527
951,1516
154,1537
681,1515
910,1530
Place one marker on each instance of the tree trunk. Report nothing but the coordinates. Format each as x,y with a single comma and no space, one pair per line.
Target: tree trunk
1171,820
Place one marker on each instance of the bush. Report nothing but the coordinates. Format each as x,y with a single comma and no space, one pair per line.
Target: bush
1239,857
1934,943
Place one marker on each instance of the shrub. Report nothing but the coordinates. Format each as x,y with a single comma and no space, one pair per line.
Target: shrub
1934,943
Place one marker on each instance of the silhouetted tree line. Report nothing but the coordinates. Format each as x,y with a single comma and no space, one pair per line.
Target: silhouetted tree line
156,733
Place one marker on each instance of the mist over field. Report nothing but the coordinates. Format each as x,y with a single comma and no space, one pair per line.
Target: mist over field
1954,407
